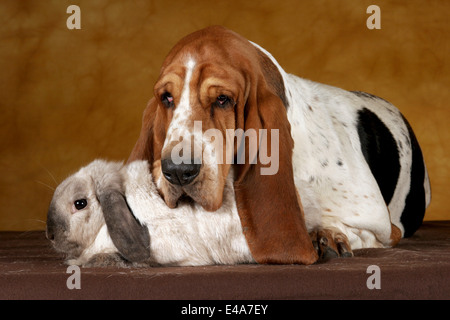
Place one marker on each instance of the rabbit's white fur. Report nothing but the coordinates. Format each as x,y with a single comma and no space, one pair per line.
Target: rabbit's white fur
185,236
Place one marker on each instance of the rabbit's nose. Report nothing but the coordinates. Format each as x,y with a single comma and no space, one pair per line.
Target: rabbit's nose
49,233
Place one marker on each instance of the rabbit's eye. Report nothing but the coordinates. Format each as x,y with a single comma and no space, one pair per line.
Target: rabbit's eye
80,204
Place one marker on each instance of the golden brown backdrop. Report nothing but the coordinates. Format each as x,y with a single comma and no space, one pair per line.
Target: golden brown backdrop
70,96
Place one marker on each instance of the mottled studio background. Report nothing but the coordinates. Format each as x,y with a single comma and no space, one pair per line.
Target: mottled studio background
70,96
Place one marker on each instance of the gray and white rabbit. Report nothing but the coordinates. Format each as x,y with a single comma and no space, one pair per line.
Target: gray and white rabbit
108,213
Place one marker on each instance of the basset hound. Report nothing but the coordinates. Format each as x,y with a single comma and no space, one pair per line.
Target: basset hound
347,172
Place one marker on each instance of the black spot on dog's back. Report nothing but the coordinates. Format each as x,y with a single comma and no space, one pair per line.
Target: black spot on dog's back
380,151
415,203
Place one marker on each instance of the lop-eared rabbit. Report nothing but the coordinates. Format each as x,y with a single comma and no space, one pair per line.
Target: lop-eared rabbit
108,214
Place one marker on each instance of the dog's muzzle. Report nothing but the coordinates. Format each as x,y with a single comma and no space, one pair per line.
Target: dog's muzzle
179,174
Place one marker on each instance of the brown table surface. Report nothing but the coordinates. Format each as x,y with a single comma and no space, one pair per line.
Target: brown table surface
417,268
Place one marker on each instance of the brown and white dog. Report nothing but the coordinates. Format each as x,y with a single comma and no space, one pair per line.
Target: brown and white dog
347,162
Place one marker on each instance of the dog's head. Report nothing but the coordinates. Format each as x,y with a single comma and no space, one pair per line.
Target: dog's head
220,101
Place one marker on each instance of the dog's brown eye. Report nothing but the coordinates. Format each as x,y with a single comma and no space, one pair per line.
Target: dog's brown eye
167,99
222,101
80,204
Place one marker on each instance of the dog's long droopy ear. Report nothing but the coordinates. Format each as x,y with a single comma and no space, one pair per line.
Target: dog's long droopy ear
152,135
130,237
271,215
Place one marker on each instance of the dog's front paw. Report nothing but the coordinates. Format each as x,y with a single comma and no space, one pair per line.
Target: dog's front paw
330,243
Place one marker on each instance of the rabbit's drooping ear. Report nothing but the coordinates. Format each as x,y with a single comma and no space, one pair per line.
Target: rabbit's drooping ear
130,237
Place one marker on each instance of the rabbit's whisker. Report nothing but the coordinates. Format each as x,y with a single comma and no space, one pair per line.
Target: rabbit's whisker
44,184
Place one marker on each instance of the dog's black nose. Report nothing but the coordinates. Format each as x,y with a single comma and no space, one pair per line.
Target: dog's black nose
179,174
